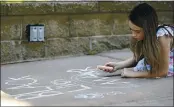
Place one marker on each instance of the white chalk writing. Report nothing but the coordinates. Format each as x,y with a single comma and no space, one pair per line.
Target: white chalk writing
56,87
92,77
21,82
97,95
85,73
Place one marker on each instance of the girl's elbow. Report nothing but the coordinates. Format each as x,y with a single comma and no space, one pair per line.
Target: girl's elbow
164,74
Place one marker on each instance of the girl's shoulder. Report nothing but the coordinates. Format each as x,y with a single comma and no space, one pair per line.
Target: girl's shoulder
165,30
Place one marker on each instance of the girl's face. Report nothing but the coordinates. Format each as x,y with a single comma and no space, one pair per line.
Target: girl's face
137,32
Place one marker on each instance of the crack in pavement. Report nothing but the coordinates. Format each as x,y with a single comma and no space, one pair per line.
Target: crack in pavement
111,57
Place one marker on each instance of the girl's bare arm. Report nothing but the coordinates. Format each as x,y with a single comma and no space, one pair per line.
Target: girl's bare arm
113,66
130,73
131,62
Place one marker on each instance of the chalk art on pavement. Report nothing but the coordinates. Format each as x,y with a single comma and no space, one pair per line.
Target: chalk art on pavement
97,95
83,79
56,87
94,78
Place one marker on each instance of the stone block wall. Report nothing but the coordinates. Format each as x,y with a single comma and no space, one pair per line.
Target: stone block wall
71,28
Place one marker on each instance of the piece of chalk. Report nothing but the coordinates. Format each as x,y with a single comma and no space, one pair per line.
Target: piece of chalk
104,67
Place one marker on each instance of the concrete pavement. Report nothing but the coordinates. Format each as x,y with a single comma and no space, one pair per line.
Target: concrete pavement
74,81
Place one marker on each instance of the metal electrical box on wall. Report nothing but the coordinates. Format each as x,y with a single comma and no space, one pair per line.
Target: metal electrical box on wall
35,33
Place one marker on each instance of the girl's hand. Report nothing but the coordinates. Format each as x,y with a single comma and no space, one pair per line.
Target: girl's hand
105,68
109,67
111,64
114,65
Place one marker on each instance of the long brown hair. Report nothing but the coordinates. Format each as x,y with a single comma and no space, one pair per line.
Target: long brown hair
144,16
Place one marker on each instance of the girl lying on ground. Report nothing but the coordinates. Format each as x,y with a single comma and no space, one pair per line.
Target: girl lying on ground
151,44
